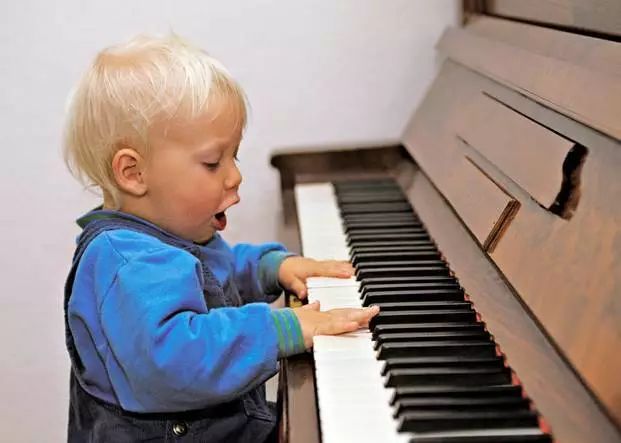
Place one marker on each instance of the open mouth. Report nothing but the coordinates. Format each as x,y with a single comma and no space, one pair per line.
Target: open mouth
219,221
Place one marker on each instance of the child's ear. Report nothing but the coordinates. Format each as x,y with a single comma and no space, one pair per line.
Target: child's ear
128,168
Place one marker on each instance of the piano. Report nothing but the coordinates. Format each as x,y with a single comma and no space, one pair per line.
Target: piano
490,236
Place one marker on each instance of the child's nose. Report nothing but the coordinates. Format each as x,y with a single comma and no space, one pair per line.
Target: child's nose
234,178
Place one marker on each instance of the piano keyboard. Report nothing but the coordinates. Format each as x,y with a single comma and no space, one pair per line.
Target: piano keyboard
427,371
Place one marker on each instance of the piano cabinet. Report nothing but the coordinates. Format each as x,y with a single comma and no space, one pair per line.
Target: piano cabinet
566,404
511,162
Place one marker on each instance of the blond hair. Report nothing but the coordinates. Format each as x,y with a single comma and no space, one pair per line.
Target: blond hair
130,87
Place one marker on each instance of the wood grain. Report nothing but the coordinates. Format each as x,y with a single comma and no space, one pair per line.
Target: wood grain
567,407
603,16
576,75
567,272
484,207
529,153
298,420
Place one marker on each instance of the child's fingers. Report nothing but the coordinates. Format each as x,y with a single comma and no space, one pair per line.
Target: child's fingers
299,288
363,316
349,326
360,316
334,268
336,327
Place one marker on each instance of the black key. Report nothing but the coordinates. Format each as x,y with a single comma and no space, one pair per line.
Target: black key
402,272
386,208
372,184
370,189
423,247
408,223
389,256
359,239
426,327
445,421
421,291
402,392
370,199
371,192
399,337
379,217
397,232
422,362
424,283
343,191
414,246
375,297
437,348
391,243
502,438
448,376
424,305
407,280
460,404
429,316
398,264
366,197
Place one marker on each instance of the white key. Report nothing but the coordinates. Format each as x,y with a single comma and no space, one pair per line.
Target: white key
353,403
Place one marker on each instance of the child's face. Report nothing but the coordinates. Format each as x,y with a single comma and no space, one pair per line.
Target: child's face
192,175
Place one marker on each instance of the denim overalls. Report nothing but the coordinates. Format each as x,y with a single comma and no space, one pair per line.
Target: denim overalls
246,419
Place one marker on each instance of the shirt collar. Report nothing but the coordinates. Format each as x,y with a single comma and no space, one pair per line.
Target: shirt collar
99,213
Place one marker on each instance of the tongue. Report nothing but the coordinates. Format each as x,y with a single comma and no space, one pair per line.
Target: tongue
219,221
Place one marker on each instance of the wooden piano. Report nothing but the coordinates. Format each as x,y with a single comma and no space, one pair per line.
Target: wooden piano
505,188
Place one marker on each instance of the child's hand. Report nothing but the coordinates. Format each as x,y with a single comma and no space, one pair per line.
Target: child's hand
333,322
294,271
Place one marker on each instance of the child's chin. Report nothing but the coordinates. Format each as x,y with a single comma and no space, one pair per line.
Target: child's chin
205,236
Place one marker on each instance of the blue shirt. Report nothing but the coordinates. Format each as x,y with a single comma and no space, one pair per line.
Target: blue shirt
148,341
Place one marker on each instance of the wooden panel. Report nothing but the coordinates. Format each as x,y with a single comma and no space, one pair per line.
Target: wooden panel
485,208
578,76
578,296
593,54
593,15
566,405
527,152
298,421
567,272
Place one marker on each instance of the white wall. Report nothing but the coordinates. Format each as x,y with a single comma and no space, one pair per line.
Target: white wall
316,72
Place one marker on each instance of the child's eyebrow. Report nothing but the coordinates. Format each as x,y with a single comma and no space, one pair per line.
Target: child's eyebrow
217,146
211,146
208,150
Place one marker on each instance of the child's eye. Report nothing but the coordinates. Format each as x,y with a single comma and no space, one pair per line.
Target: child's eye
236,158
212,166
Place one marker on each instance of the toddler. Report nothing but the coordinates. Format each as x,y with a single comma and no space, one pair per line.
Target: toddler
169,329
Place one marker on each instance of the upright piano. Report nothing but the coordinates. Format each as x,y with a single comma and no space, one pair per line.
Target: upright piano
490,237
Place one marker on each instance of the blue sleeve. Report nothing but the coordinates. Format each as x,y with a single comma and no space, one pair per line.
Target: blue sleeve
166,351
256,270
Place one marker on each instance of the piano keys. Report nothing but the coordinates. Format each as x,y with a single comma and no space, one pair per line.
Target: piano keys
428,370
